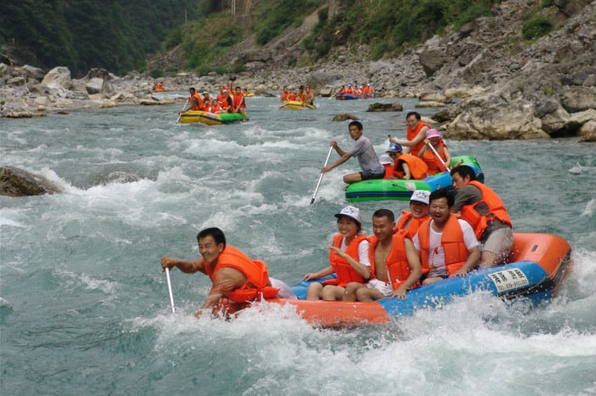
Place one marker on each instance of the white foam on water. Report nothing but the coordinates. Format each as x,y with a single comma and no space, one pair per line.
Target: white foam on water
590,208
88,282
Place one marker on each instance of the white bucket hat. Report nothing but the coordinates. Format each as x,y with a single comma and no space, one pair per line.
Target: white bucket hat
351,212
420,196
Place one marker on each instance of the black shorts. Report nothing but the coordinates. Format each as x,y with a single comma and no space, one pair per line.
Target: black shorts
370,176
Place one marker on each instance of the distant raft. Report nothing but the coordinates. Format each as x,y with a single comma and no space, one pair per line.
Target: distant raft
353,97
401,190
296,105
204,117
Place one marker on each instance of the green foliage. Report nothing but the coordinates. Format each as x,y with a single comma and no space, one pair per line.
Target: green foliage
546,3
276,15
548,91
379,49
156,73
536,26
81,34
475,11
308,43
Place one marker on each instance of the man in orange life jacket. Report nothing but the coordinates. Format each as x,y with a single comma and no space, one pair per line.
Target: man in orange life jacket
239,103
415,133
395,265
409,222
446,244
483,209
406,166
234,275
364,151
196,103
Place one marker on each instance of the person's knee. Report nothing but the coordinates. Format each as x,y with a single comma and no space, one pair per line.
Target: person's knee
362,294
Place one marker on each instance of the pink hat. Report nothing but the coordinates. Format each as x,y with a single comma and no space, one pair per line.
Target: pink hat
432,133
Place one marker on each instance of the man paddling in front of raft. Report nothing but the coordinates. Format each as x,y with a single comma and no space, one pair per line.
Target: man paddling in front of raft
234,275
364,151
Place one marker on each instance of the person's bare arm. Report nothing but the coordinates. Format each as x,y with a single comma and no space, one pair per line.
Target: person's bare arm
415,269
189,267
363,270
473,257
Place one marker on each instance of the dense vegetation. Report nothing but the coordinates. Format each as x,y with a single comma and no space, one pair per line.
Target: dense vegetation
80,34
390,25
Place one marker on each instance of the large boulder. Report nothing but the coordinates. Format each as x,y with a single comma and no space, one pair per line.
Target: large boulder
432,60
344,116
380,107
58,82
319,79
588,132
575,99
30,72
497,121
16,182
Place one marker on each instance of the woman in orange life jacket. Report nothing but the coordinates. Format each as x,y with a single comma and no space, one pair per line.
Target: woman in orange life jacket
349,90
406,166
447,245
395,265
415,133
285,93
226,102
220,95
409,222
233,274
300,96
433,137
348,258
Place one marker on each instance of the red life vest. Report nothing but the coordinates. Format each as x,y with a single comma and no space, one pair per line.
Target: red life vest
199,105
291,96
496,209
411,134
284,96
224,102
344,271
238,102
434,164
349,91
341,91
417,167
452,242
397,268
409,224
257,279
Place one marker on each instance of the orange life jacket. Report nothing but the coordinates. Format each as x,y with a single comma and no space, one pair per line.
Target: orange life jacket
388,171
452,242
238,102
199,105
409,224
220,97
291,96
349,91
341,91
257,279
434,164
411,134
496,209
397,266
418,167
344,271
224,102
284,96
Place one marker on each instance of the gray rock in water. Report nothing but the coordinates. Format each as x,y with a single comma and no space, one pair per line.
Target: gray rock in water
16,182
379,107
344,116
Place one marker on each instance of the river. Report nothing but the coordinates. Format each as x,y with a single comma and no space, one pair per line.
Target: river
84,305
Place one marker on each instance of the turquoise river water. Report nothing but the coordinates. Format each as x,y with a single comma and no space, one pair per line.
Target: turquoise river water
84,308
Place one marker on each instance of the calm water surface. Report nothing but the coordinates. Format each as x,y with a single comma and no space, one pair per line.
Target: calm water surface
84,305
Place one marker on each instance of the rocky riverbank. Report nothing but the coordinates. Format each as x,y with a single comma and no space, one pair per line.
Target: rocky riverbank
509,88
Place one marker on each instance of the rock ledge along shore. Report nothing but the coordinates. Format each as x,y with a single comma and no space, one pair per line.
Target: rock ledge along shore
488,80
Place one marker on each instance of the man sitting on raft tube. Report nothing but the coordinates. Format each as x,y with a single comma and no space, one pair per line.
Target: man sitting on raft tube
415,133
233,274
348,258
364,151
409,222
406,166
394,262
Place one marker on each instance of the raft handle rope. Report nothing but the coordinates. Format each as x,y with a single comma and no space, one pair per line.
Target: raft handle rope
312,201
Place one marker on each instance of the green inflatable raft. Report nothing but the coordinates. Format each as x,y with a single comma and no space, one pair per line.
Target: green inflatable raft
401,190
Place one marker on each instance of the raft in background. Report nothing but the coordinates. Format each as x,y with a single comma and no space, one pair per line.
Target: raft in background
401,190
199,116
353,97
296,105
538,265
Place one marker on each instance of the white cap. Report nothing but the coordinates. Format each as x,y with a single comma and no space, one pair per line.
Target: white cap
420,196
351,212
385,159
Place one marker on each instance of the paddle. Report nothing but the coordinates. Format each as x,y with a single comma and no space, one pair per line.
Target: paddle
170,290
182,110
439,157
312,201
